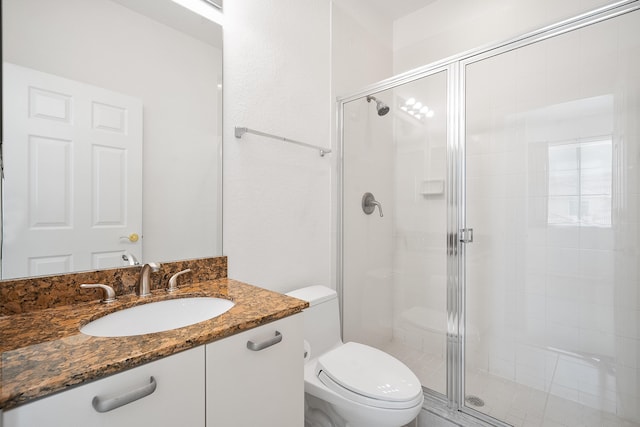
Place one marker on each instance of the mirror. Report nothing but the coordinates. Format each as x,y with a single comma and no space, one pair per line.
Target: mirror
153,71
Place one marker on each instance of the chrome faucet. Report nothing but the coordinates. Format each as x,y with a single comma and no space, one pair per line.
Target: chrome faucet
144,285
129,258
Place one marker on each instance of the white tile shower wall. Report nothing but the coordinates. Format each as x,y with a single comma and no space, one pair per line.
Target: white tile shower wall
368,243
419,263
361,54
277,196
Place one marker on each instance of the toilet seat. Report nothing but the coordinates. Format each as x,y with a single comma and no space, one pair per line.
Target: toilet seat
369,376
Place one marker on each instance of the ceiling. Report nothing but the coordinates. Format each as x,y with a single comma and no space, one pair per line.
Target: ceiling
183,20
396,8
179,18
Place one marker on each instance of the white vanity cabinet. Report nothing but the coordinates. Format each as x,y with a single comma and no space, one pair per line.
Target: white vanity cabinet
255,378
177,400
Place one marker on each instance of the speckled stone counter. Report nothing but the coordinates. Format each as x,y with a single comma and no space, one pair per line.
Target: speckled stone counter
19,296
42,352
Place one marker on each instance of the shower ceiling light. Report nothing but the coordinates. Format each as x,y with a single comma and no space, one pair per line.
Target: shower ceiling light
415,109
203,8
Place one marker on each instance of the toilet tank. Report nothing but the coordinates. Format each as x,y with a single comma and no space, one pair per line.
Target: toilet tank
321,319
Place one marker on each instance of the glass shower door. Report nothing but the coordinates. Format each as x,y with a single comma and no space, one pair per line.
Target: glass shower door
552,152
394,259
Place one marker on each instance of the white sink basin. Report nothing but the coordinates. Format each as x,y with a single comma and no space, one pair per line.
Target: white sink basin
157,317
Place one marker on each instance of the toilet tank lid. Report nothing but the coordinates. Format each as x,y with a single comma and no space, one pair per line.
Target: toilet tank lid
313,294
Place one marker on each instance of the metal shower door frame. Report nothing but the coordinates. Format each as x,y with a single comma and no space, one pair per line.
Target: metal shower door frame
452,404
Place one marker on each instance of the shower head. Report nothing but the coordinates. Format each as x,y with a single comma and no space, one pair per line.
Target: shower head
380,106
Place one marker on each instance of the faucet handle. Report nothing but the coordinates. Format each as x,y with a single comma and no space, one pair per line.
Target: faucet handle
109,295
173,281
369,204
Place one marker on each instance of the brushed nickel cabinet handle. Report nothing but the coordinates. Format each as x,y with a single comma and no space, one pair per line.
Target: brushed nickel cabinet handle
109,404
264,344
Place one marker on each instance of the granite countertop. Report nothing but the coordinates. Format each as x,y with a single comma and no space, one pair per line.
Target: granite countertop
43,352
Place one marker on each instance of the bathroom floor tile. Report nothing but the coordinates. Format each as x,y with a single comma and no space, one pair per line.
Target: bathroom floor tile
509,401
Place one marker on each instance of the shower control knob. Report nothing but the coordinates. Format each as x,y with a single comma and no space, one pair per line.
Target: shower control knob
369,204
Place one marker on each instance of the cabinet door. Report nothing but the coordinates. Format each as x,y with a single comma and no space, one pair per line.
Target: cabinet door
178,398
247,388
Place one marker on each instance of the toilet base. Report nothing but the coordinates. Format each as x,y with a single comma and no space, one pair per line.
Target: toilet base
319,413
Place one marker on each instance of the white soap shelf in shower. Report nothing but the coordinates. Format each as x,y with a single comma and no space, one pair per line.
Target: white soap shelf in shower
431,187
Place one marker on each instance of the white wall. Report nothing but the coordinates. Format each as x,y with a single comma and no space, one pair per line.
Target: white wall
277,196
285,63
361,47
105,44
445,28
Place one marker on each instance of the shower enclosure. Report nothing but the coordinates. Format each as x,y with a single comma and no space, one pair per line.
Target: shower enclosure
505,270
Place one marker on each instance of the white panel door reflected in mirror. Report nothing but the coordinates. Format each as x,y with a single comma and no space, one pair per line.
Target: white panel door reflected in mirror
73,175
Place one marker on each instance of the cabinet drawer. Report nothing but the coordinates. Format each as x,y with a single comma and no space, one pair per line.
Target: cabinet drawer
177,399
256,378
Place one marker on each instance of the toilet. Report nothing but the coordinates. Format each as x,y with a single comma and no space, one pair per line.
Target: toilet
350,384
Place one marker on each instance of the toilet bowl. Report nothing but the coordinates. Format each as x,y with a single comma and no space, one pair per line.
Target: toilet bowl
351,384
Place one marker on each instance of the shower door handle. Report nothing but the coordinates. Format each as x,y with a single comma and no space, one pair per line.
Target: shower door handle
369,204
466,235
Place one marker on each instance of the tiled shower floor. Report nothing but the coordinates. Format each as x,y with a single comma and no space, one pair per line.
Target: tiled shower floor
508,401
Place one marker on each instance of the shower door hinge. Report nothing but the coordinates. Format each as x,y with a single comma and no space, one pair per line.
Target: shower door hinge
466,235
